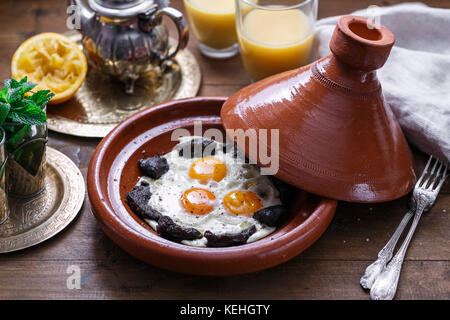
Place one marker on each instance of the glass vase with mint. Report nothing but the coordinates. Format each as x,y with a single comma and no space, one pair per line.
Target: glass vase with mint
24,121
4,212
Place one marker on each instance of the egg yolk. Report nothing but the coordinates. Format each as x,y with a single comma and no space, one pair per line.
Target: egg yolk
197,201
206,169
242,202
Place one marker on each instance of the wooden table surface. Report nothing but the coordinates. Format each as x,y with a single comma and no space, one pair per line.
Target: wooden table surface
330,269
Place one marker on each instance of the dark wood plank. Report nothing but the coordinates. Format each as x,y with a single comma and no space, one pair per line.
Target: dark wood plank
330,269
299,279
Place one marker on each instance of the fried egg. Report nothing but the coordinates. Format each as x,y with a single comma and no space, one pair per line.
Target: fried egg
219,193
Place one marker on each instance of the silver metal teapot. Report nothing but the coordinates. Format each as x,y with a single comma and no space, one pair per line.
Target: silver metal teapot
126,38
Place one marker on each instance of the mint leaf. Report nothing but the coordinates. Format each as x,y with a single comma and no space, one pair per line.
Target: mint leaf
31,115
28,86
4,110
14,94
41,98
23,80
12,83
4,95
16,108
22,105
15,90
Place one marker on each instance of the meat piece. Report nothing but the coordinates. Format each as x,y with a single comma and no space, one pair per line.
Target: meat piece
154,167
138,199
144,183
234,149
271,216
168,229
229,239
287,192
226,148
196,148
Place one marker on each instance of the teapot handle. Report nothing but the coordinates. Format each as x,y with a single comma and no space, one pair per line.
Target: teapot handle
182,28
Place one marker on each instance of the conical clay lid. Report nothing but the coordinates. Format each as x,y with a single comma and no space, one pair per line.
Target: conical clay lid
337,136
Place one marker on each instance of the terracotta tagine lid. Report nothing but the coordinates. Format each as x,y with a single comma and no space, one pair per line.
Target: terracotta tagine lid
337,136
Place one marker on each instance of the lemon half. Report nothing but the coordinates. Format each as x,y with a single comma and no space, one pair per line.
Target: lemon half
53,62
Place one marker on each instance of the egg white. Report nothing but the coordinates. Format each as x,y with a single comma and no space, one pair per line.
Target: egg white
167,190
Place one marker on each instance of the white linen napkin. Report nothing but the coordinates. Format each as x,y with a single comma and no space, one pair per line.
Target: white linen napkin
416,77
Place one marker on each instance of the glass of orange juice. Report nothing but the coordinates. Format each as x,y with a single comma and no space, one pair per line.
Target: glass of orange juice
213,24
275,35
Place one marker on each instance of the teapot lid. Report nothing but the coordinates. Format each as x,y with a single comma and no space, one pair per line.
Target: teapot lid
120,8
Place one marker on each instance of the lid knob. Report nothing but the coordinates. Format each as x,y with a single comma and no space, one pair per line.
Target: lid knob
120,8
359,46
119,4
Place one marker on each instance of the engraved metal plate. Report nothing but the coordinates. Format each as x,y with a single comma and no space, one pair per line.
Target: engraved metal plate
101,102
34,220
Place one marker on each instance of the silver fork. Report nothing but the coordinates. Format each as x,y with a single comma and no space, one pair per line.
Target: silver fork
424,195
385,254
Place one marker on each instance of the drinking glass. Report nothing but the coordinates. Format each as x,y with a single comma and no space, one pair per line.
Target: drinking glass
213,24
275,35
26,167
4,212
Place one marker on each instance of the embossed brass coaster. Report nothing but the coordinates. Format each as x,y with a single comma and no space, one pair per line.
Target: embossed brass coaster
101,102
34,220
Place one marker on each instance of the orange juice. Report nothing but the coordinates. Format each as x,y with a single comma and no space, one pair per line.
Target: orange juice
212,21
272,41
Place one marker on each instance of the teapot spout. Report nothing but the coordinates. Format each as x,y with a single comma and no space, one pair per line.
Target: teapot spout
82,14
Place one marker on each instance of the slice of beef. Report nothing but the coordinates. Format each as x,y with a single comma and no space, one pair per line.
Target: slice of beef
235,152
144,183
138,199
271,216
154,167
196,148
287,192
168,229
229,239
226,148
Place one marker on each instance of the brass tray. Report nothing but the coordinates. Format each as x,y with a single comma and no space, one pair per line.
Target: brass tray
101,103
34,220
